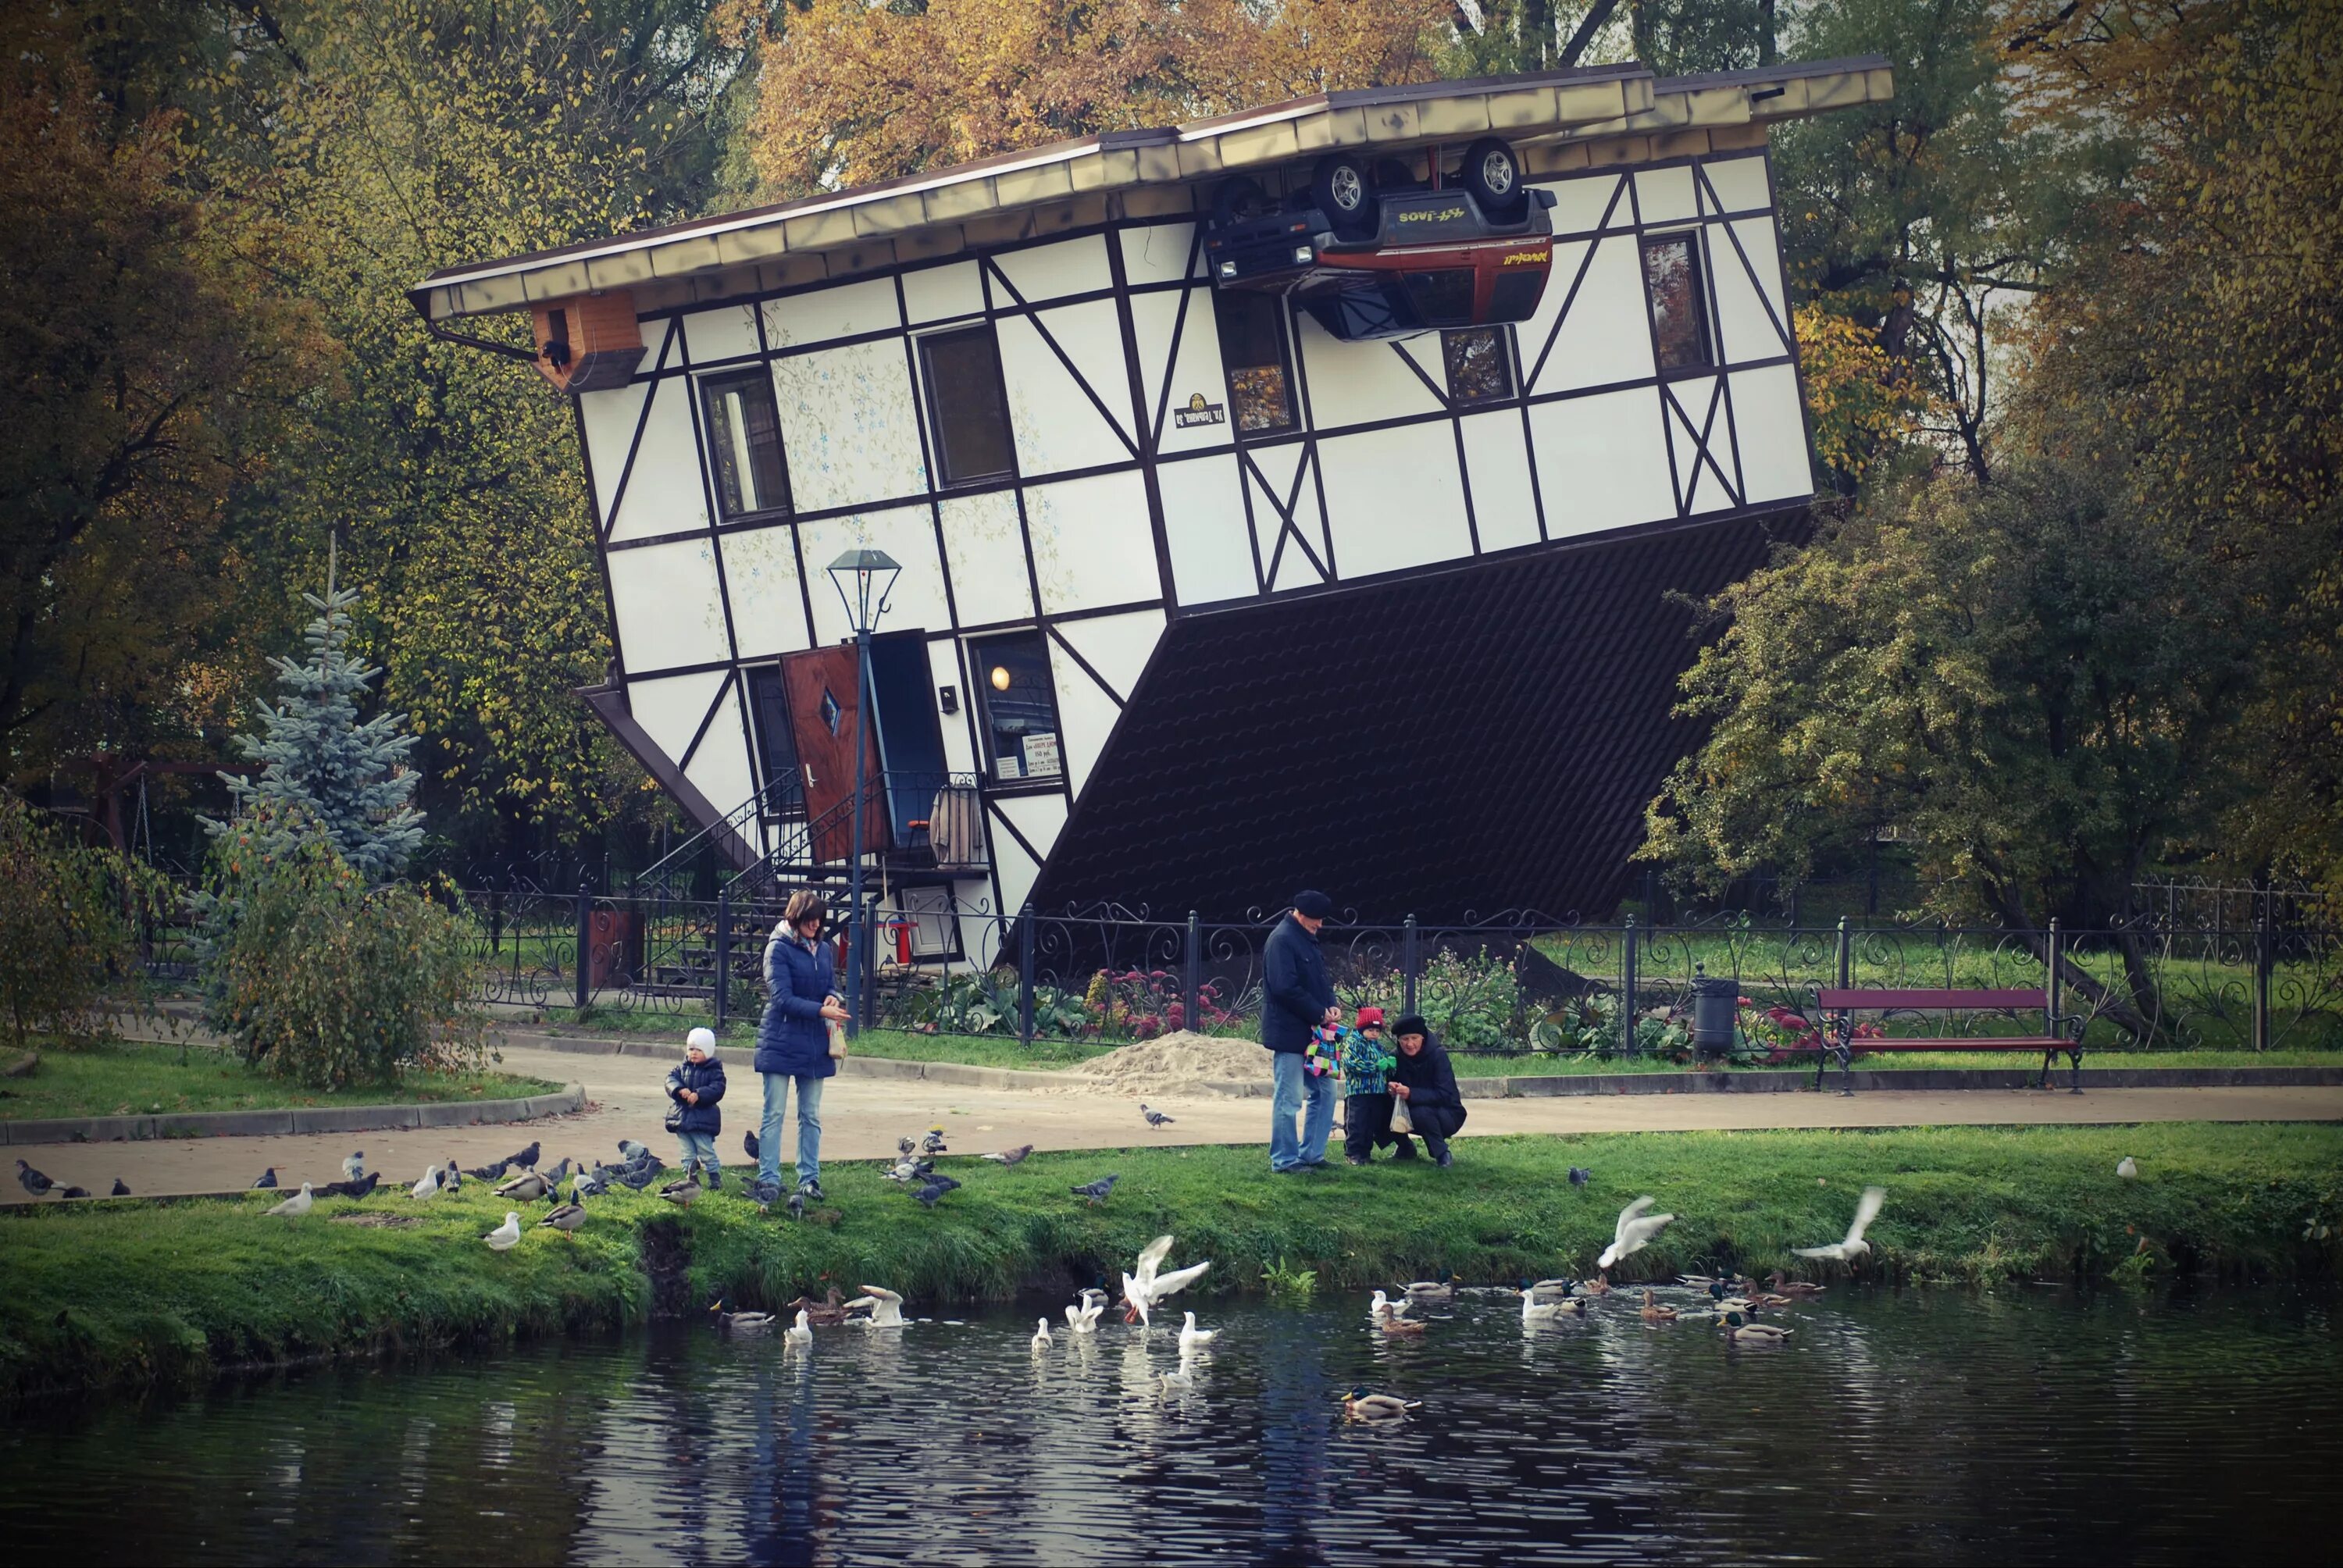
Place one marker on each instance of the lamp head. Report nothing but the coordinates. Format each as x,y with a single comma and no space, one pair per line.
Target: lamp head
864,580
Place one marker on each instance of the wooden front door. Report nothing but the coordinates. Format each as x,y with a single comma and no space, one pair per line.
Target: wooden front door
826,723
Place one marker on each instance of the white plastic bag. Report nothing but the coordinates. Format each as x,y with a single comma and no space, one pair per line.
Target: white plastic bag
1401,1122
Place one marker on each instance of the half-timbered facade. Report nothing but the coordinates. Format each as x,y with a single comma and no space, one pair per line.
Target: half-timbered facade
1197,600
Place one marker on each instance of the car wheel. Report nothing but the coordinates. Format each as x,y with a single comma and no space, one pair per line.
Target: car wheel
1238,201
1494,176
1339,186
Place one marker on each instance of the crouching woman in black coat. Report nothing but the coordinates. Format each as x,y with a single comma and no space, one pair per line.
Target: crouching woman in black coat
1423,1078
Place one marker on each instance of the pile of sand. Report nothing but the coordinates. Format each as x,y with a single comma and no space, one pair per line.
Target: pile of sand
1180,1060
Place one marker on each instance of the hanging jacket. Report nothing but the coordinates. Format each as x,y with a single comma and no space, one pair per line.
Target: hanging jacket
793,1038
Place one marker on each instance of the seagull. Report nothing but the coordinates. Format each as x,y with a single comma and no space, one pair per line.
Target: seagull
354,1165
2127,1169
886,1307
529,1187
1635,1229
1534,1312
1011,1156
748,1142
1580,1175
568,1219
1193,1338
1083,1315
933,1143
801,1332
428,1187
503,1238
1096,1191
120,1191
1148,1285
683,1193
34,1182
295,1206
1383,1309
936,1187
1866,1210
1154,1118
267,1178
526,1157
1181,1380
1041,1340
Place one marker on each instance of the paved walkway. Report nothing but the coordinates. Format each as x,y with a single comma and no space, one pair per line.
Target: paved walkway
862,1118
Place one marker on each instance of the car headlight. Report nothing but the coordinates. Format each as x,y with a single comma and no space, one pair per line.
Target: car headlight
1303,253
1228,269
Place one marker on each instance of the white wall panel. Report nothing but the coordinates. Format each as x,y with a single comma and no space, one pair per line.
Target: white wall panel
1092,336
1015,869
1579,203
1353,383
1739,182
1092,545
1496,461
610,418
1606,336
726,332
663,493
1038,817
1204,524
1706,489
1116,646
1394,499
1086,716
838,310
1530,336
1745,331
1602,462
1056,425
943,669
670,709
1054,271
1198,371
1773,435
849,426
760,571
720,768
1158,253
1756,237
1664,195
906,533
942,293
987,550
669,610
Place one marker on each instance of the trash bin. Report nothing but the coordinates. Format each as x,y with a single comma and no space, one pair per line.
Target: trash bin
1714,1002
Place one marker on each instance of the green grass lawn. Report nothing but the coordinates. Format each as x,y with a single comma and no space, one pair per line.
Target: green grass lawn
121,1078
125,1293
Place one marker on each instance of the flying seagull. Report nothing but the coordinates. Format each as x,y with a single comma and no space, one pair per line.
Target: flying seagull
1865,1210
1637,1225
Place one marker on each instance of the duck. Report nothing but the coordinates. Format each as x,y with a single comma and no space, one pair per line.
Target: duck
1442,1289
1536,1311
683,1193
566,1218
1041,1340
1193,1338
827,1312
1543,1289
1853,1246
1786,1286
885,1307
527,1187
505,1237
1404,1327
1738,1327
1083,1315
742,1322
1359,1405
1655,1313
1769,1301
1635,1228
295,1206
801,1332
1597,1286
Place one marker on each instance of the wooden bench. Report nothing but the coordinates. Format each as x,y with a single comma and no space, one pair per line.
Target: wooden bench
1838,1008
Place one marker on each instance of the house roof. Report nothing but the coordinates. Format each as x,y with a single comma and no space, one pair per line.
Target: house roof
943,211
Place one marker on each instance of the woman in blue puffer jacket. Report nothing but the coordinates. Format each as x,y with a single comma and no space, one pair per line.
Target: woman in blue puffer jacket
793,1039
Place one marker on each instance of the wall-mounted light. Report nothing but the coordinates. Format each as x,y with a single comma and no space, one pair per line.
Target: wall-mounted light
948,698
1000,677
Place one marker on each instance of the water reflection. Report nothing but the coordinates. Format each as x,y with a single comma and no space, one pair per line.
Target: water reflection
1925,1427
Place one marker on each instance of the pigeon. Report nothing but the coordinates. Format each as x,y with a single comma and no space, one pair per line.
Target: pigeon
357,1189
1634,1231
505,1236
593,1183
910,1170
1096,1191
354,1165
295,1206
452,1176
764,1194
526,1157
529,1187
683,1193
796,1204
34,1182
1011,1156
1580,1175
267,1178
494,1171
630,1151
566,1219
75,1192
120,1191
748,1142
638,1176
428,1187
2127,1169
559,1174
936,1187
1154,1118
933,1143
907,1147
1866,1210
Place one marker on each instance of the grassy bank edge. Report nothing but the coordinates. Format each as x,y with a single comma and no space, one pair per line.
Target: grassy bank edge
141,1078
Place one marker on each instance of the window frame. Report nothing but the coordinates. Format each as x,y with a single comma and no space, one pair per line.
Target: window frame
1283,326
753,678
1697,255
702,385
1507,354
980,684
925,341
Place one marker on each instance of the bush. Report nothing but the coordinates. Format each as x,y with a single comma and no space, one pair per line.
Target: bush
67,924
326,981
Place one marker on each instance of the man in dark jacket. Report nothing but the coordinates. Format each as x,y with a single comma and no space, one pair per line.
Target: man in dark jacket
695,1087
1296,999
1423,1077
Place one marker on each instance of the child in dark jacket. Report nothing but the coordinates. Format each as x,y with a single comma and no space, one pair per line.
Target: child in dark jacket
1366,1060
696,1086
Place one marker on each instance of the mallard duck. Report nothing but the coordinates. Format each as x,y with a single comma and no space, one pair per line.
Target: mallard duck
801,1332
1866,1210
1636,1227
1784,1285
742,1322
828,1313
1359,1405
506,1236
1442,1289
1543,1289
527,1187
1737,1326
883,1308
1400,1328
1655,1313
1769,1301
568,1219
683,1193
1193,1338
1597,1286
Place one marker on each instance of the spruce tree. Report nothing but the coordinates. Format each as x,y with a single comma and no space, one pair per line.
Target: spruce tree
320,766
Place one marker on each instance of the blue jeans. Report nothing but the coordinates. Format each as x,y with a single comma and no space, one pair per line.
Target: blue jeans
699,1150
768,1136
1296,1089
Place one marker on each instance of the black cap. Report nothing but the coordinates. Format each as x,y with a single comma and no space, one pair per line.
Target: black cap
1411,1024
1316,905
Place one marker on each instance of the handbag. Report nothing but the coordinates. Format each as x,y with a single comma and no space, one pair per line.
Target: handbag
837,1038
1401,1122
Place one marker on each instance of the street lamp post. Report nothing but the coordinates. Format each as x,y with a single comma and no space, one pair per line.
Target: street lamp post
864,580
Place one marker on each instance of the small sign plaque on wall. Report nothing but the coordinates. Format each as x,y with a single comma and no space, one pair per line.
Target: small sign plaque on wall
1198,412
1041,756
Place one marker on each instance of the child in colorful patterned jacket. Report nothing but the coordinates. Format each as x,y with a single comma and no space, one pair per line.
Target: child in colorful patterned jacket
1365,1059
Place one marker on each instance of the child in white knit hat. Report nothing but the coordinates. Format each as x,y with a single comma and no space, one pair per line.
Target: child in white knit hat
693,1089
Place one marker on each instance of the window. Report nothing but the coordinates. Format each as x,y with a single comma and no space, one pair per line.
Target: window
1442,299
1480,370
1252,350
1679,302
966,407
744,444
1514,295
777,752
1020,707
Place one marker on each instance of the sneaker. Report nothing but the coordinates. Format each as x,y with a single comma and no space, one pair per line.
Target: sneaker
1406,1150
1445,1160
716,1178
812,1187
1289,1170
1358,1160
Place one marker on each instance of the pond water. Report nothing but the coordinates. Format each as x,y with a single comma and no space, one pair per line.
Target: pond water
2024,1425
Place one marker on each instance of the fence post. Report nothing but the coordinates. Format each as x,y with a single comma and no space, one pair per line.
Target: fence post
1410,963
1025,976
2057,985
1627,987
1192,975
723,954
584,944
2264,958
1844,973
